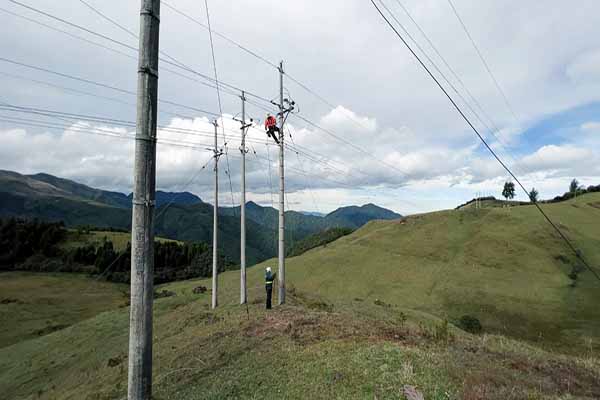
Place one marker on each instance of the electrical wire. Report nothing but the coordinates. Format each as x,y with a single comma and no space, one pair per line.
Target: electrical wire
485,64
129,56
251,52
448,81
72,117
74,91
350,144
306,180
462,114
162,211
100,84
448,66
214,61
174,62
76,117
64,21
106,17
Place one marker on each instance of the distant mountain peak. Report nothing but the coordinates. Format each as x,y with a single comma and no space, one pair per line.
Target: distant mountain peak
355,216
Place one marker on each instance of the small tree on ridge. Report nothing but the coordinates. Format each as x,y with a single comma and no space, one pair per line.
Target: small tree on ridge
533,195
509,190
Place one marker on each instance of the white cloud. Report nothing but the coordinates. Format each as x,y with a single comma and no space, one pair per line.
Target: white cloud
346,120
552,157
388,106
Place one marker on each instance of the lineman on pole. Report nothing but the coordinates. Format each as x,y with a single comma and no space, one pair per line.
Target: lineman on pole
271,127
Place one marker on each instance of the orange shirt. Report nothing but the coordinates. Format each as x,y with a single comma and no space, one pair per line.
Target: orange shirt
270,121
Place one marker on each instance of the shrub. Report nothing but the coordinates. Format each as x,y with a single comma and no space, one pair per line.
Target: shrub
470,324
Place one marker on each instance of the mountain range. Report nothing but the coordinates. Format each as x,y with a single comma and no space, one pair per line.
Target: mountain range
181,216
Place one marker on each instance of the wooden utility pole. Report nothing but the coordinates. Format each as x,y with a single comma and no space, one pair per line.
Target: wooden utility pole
243,287
144,194
281,275
215,270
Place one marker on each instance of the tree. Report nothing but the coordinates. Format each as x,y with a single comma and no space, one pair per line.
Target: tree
574,186
533,195
509,190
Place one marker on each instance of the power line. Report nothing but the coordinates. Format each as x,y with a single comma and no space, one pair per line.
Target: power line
297,148
162,211
109,120
561,234
212,49
163,68
485,64
182,144
100,119
130,124
70,90
65,89
115,23
174,61
76,118
65,32
350,144
99,84
99,132
268,172
261,58
473,111
305,181
64,21
63,75
494,130
251,52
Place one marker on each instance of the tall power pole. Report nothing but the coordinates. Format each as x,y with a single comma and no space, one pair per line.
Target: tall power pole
144,194
215,270
243,289
281,298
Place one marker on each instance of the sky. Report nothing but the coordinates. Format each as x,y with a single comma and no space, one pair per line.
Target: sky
386,133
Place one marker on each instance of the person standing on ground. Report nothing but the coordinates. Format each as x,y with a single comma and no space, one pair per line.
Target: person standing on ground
269,279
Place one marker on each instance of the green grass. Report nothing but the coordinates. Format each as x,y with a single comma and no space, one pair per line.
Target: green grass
365,316
306,349
119,239
38,304
497,264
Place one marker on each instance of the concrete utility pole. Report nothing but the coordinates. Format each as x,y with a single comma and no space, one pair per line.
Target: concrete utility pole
215,269
144,194
281,276
243,287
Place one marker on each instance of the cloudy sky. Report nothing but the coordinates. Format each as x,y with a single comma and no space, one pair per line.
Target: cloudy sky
389,135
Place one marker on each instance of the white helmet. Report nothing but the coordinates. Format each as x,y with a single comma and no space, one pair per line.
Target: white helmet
268,269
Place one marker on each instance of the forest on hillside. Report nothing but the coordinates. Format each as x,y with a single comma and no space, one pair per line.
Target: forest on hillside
35,246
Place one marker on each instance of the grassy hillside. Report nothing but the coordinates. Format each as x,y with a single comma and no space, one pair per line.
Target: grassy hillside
503,266
76,239
306,349
365,316
34,305
318,239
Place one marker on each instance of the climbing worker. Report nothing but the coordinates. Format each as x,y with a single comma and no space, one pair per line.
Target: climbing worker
269,278
271,127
